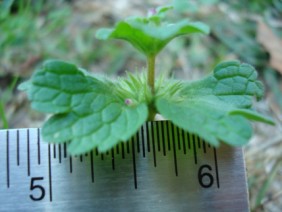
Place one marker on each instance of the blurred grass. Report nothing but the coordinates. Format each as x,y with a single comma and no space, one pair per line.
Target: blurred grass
32,31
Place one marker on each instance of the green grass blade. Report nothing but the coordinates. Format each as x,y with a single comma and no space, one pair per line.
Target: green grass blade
267,183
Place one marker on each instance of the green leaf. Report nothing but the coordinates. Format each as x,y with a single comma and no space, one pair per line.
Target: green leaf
252,115
86,110
148,35
216,108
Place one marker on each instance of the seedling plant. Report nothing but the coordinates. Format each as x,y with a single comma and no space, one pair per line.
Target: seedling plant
92,111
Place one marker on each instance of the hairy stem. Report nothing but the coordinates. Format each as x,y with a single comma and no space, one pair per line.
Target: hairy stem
151,84
151,72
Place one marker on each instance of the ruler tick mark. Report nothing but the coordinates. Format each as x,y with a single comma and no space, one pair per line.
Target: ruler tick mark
8,158
122,150
178,138
148,136
38,146
156,134
54,151
154,150
194,148
168,135
134,164
163,138
28,153
117,149
70,164
199,142
113,159
138,142
183,140
216,168
60,154
18,147
174,152
50,172
92,166
204,147
189,136
143,144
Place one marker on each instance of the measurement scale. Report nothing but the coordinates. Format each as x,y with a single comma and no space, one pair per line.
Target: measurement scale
162,168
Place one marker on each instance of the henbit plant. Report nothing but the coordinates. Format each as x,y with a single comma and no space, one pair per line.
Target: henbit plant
95,112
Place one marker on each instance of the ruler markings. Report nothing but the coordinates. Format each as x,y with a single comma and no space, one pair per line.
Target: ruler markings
156,134
122,149
216,167
54,151
60,153
18,147
148,136
38,147
194,148
174,134
70,164
199,142
183,141
65,150
143,144
178,136
168,137
138,141
50,173
163,138
28,154
204,147
174,151
113,159
92,166
153,145
127,147
134,164
189,138
96,151
8,158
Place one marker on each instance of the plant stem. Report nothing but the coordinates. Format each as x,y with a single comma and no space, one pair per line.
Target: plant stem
151,72
151,84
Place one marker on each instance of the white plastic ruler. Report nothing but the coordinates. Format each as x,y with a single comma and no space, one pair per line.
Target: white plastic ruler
161,168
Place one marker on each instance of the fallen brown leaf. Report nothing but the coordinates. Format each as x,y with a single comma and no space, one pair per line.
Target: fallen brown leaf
272,44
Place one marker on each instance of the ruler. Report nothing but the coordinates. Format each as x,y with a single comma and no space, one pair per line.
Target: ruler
161,168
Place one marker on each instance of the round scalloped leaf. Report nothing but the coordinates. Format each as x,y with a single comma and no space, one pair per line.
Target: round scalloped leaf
149,37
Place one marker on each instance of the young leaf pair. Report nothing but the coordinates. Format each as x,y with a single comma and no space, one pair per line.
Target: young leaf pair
99,113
